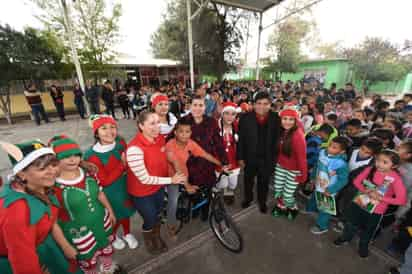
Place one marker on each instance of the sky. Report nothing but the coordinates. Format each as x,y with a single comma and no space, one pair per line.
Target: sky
348,21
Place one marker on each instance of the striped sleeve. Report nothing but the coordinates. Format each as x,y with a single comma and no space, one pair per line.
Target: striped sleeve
135,160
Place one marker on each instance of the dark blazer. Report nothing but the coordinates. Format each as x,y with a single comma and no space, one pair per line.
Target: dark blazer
248,139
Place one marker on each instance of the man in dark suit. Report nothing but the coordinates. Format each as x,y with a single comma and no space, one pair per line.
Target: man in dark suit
257,148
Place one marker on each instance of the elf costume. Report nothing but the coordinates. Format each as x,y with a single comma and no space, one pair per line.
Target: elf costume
112,176
84,220
26,244
230,138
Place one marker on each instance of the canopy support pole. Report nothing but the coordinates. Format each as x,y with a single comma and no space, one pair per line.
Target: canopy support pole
258,47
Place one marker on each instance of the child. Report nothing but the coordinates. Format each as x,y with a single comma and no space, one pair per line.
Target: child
355,132
386,135
228,130
362,156
86,215
360,115
314,141
396,127
291,168
405,169
407,127
404,213
178,151
106,154
331,176
379,186
330,120
306,117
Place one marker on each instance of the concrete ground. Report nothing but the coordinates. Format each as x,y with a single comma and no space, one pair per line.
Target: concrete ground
271,245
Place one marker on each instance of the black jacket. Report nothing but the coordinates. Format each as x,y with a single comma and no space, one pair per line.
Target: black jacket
248,139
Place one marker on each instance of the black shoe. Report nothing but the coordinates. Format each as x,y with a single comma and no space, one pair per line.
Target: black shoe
340,242
363,252
245,204
394,270
292,214
263,209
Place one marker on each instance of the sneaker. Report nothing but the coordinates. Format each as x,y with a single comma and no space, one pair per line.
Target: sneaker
131,241
340,242
118,243
338,227
317,230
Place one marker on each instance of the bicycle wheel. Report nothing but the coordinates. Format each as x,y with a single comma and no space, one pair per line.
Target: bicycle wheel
226,231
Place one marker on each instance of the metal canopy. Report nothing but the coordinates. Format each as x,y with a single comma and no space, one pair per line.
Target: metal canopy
252,5
259,6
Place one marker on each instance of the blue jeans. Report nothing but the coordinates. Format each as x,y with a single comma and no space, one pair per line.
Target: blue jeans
37,111
149,207
323,218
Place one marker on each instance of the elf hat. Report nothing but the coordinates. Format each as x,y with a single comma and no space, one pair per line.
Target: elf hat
289,110
98,120
22,155
229,106
64,147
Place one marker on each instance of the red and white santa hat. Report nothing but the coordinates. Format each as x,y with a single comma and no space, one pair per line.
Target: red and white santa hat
230,106
98,120
289,110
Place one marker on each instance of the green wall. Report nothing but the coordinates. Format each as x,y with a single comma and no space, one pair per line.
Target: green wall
337,71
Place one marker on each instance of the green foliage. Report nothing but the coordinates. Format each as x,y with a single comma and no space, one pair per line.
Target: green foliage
375,60
95,26
285,44
218,32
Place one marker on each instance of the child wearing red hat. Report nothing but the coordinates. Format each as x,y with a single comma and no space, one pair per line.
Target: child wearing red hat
228,126
106,154
291,168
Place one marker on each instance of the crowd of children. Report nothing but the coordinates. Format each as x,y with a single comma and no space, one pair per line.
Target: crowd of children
356,175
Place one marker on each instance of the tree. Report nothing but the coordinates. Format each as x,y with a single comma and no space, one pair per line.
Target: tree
218,32
96,29
290,36
375,60
329,50
285,44
28,55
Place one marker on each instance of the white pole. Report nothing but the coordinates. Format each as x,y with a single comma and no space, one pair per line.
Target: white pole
258,48
190,41
75,57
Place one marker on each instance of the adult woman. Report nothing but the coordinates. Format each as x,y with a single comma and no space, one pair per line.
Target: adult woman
28,214
160,105
147,173
57,96
205,132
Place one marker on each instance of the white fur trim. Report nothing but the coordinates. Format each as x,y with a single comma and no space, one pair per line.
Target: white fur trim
237,110
30,158
103,148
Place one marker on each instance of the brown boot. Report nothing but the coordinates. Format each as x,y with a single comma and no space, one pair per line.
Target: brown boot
157,239
172,232
149,242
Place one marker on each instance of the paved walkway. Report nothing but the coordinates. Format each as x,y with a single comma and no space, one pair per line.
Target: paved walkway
271,246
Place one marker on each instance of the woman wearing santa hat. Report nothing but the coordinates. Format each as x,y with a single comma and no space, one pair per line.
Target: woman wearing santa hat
160,106
228,126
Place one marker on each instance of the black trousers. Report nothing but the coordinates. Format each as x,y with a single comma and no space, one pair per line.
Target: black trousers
260,170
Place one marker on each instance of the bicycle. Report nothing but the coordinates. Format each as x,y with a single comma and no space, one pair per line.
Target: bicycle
220,222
